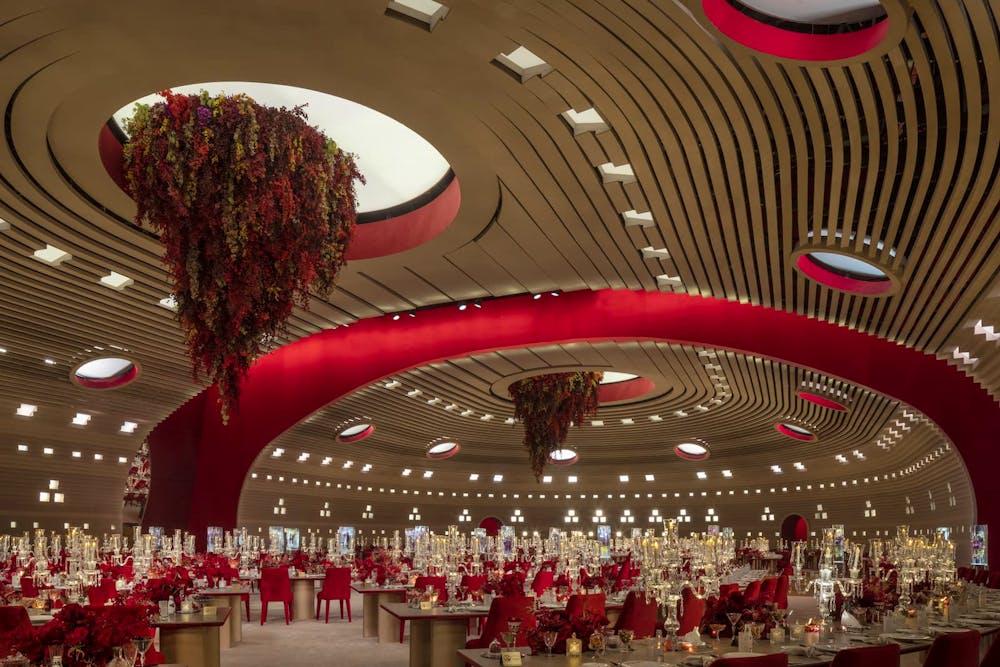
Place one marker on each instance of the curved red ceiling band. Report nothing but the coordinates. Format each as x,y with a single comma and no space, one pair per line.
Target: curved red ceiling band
199,465
625,390
788,43
371,239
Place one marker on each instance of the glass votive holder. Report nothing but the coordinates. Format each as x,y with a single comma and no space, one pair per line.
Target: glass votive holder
777,636
796,632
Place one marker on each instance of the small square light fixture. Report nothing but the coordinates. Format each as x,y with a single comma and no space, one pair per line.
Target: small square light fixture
474,477
168,302
122,459
58,497
81,419
22,447
52,255
702,475
116,281
498,477
571,479
48,450
622,478
98,457
44,496
77,455
53,485
428,474
727,473
26,410
128,427
547,479
406,472
650,478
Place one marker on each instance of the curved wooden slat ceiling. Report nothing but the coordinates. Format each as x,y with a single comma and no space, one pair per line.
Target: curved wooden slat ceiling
740,160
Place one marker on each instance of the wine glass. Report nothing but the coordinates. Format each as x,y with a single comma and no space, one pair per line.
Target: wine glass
514,624
142,645
734,617
716,629
549,637
508,638
626,636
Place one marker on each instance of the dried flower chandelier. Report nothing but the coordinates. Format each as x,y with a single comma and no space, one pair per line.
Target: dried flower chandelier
255,208
547,405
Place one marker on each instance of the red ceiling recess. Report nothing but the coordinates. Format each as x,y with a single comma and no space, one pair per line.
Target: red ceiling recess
564,462
360,435
784,430
822,401
782,43
119,380
843,283
692,457
625,390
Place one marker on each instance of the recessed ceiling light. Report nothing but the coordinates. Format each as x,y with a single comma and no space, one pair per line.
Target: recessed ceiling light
105,373
58,497
52,255
563,457
168,302
98,457
795,431
691,451
442,449
650,478
22,447
406,472
43,496
128,427
622,478
49,362
428,474
81,419
116,281
498,477
473,476
355,430
26,410
702,475
547,479
571,479
613,377
122,459
727,473
47,450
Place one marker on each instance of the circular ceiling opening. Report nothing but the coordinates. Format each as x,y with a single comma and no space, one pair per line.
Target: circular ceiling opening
563,457
398,164
442,449
822,401
356,431
691,451
614,377
794,431
811,30
105,373
845,272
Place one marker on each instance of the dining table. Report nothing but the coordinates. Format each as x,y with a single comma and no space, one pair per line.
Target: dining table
192,639
304,595
228,597
436,634
375,621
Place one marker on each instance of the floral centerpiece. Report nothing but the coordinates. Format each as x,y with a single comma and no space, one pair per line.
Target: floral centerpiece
595,581
510,584
137,482
88,635
174,584
547,405
564,626
254,207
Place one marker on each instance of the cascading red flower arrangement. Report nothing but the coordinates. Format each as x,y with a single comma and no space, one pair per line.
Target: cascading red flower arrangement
547,405
254,207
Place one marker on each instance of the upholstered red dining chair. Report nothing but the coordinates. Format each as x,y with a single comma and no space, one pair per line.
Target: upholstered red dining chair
12,618
781,592
275,586
589,603
473,585
542,581
726,589
767,588
638,614
886,655
501,610
956,649
751,594
694,610
992,657
772,660
336,586
109,588
28,589
96,596
994,579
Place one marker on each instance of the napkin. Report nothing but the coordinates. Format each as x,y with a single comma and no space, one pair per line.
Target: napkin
692,637
848,620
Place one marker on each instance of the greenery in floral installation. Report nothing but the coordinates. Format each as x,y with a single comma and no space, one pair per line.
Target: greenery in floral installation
255,208
547,405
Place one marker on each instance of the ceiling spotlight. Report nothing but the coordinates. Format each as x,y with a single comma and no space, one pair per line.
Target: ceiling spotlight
463,306
536,297
395,317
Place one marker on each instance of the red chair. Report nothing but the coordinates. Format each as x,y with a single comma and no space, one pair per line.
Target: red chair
694,610
767,589
589,603
867,656
981,577
246,601
994,579
773,660
502,609
275,586
28,589
473,585
957,649
781,592
639,614
96,596
12,617
726,589
109,588
992,657
751,594
336,586
542,581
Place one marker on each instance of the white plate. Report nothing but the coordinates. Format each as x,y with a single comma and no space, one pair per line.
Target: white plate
741,654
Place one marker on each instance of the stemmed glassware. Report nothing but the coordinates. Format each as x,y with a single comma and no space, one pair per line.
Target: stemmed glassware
549,637
513,625
734,617
142,645
716,629
626,636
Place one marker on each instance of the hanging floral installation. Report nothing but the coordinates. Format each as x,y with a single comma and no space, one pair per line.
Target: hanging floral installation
255,209
547,405
137,482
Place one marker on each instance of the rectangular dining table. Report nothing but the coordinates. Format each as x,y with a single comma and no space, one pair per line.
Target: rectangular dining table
436,635
375,621
304,595
230,597
192,639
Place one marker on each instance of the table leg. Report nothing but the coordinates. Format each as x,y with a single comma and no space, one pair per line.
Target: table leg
388,625
231,633
436,643
370,615
303,599
194,647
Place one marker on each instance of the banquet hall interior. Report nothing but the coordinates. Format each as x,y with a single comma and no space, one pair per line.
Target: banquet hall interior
765,230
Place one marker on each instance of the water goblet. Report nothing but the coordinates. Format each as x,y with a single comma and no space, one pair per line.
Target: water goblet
734,617
514,624
549,637
626,636
508,638
717,629
142,645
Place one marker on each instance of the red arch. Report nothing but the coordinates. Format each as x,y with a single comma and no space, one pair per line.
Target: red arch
199,465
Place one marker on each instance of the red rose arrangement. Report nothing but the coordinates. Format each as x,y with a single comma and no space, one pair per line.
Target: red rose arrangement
565,626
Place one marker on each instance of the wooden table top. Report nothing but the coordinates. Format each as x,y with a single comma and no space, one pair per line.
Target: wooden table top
404,612
366,589
195,620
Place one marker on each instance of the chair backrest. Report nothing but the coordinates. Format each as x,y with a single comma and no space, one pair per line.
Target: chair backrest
13,617
109,587
28,589
992,657
886,655
440,583
542,581
337,583
726,589
956,649
504,608
473,583
994,579
781,592
275,584
639,614
752,593
772,660
982,576
579,603
694,610
767,589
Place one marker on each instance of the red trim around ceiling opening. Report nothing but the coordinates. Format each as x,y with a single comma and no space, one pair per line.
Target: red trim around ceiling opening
624,390
199,465
806,265
371,239
822,401
360,435
784,430
788,43
107,383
